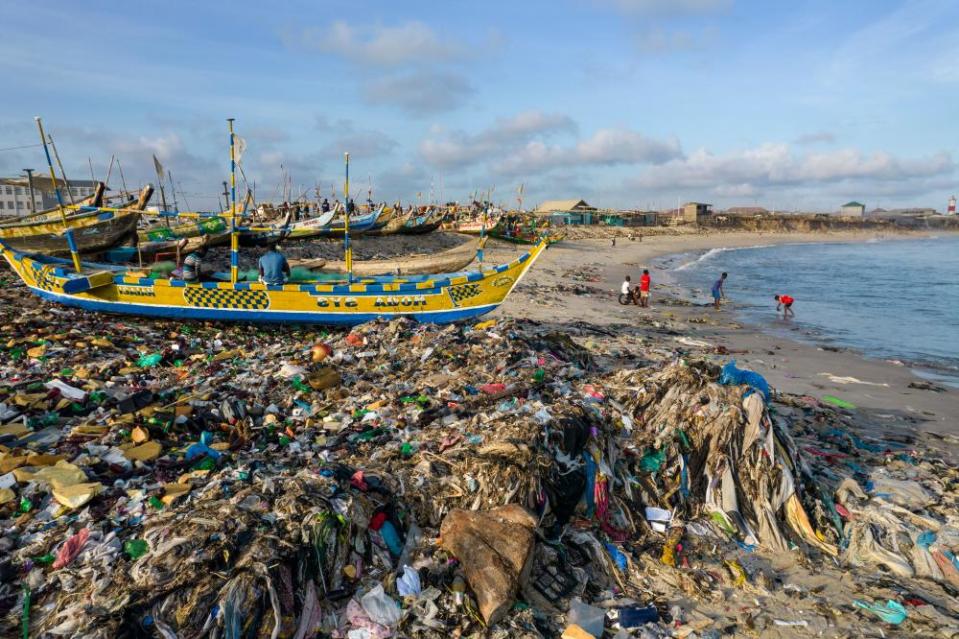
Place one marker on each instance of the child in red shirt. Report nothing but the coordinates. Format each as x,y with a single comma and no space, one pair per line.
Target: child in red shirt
644,283
785,302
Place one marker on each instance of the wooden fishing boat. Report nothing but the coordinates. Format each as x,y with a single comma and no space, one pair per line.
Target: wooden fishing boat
386,214
471,227
308,229
449,261
428,298
396,222
422,224
528,238
93,228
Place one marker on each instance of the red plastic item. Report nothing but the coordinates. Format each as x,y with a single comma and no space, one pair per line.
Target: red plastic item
493,389
377,521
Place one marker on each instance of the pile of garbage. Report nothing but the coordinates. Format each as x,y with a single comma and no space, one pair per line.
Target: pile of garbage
400,479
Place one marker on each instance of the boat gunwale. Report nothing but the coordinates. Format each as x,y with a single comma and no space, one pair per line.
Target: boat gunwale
371,285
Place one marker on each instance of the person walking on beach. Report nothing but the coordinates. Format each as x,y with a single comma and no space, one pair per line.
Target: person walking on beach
785,303
644,281
719,292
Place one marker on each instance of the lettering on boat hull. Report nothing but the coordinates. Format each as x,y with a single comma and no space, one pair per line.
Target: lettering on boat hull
403,301
138,291
337,302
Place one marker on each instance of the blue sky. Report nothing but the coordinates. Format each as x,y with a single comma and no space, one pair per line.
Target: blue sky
626,103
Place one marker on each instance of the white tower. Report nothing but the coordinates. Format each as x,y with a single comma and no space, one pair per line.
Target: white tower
952,206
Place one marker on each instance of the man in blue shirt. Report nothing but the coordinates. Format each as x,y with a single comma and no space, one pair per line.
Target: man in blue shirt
274,268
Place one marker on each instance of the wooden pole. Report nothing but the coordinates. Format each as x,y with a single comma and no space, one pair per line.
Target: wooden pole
346,231
63,174
234,237
123,180
63,216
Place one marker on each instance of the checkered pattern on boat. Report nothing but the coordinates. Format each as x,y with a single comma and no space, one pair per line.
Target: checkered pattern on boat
225,298
463,292
43,276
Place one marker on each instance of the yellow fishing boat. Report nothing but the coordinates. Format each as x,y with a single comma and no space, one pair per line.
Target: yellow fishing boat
92,230
429,298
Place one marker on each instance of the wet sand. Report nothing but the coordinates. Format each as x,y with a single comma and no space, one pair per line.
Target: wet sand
579,281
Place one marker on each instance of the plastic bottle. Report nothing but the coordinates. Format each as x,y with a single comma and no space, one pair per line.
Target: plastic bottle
458,588
391,538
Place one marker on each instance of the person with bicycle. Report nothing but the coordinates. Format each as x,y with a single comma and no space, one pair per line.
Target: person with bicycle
628,292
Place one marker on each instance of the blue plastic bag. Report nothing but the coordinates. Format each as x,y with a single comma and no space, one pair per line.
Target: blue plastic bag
891,612
732,376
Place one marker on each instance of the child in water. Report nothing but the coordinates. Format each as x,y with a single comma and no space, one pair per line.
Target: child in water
785,303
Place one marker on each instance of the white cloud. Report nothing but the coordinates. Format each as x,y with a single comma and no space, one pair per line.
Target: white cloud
623,146
419,93
606,147
775,166
522,143
377,45
505,135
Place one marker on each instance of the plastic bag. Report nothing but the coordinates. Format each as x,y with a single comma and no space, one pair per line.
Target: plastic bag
592,619
380,607
890,612
732,376
408,584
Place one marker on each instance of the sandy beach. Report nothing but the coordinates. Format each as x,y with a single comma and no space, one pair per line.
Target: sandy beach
578,280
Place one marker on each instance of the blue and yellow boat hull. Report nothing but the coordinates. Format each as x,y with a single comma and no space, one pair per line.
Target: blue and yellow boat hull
429,298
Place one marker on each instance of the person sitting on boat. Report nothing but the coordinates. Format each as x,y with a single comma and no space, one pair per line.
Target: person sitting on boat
274,269
192,270
325,207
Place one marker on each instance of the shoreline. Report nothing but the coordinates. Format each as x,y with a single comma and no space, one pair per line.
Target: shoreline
585,276
923,369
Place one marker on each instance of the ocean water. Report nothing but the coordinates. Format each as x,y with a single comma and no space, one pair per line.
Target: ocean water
894,299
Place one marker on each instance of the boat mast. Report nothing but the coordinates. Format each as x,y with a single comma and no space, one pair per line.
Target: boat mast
234,237
347,249
63,175
67,232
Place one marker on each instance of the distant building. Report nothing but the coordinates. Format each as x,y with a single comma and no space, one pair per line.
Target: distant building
692,211
15,194
852,209
629,218
567,211
901,213
747,210
951,210
15,199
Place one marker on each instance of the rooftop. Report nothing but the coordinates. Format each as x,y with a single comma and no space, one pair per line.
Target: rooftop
564,205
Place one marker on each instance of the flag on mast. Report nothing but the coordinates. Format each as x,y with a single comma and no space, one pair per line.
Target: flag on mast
158,167
239,146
